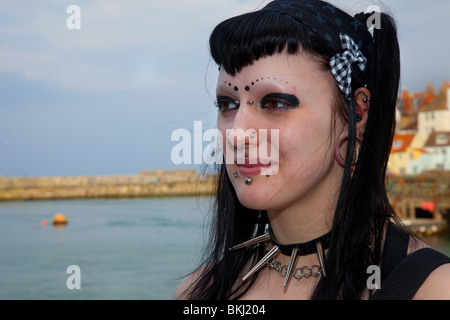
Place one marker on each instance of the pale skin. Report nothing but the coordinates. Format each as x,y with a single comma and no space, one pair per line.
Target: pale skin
300,197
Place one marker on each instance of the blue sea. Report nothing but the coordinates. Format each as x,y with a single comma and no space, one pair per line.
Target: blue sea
121,248
124,249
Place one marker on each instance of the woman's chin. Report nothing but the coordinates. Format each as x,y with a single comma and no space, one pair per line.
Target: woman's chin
252,200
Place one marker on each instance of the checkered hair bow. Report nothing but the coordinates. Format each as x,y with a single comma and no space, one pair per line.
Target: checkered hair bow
342,63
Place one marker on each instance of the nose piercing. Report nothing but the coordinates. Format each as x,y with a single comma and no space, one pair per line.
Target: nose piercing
251,102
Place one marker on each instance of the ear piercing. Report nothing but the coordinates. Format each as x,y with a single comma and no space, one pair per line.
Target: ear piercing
358,117
365,98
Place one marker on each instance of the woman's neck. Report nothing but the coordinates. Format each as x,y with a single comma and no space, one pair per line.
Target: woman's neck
303,221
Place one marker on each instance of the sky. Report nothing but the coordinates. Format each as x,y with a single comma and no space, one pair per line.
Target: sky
105,99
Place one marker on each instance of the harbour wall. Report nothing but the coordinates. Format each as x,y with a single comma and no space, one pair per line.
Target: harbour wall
147,183
406,193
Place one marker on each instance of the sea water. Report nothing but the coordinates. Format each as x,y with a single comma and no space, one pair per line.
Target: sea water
124,249
121,249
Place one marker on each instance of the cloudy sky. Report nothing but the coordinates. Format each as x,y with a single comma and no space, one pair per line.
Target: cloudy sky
105,99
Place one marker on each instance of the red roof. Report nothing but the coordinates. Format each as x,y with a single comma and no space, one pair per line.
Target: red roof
401,142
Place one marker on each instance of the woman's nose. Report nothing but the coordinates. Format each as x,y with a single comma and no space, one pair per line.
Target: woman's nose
244,129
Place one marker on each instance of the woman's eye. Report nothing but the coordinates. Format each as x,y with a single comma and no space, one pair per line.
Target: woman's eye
275,104
279,102
225,104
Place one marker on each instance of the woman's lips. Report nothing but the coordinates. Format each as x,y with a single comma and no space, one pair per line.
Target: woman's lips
253,168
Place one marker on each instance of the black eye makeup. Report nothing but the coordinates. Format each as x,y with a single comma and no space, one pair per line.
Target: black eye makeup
279,102
224,104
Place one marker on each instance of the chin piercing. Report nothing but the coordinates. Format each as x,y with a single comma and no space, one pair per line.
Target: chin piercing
248,181
235,174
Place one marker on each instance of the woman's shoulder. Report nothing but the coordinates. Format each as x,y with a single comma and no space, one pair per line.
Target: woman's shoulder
437,285
183,290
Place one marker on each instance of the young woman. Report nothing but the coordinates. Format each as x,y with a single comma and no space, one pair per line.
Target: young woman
318,89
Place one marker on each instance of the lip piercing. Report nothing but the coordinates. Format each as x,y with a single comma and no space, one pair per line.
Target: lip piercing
248,181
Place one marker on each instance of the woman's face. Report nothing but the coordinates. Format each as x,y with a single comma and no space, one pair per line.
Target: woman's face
293,99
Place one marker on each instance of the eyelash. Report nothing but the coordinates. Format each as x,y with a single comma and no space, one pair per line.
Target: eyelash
225,100
286,105
288,102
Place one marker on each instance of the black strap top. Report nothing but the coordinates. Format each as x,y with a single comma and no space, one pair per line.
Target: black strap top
402,274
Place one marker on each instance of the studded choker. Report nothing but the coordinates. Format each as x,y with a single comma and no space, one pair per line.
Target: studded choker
294,250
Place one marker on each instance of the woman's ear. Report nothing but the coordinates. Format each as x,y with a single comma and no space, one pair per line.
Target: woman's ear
362,104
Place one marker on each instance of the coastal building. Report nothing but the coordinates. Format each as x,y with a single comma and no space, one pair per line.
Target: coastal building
422,140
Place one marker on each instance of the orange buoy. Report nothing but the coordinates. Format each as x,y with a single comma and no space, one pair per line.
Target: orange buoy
60,219
44,222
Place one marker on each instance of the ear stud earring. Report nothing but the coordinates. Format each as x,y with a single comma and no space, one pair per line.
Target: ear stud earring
365,98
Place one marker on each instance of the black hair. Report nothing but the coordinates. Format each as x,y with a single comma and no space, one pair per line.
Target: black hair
363,206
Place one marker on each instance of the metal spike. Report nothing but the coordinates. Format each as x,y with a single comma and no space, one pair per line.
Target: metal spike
261,262
250,242
321,256
290,266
